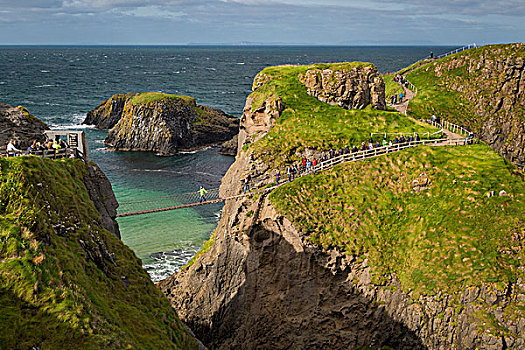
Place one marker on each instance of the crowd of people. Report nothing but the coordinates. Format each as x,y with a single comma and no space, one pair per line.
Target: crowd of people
36,148
310,166
398,98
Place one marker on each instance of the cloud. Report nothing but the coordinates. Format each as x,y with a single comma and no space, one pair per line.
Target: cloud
271,21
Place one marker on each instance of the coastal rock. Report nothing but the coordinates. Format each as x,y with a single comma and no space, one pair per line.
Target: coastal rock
17,123
351,88
163,123
109,112
229,148
102,195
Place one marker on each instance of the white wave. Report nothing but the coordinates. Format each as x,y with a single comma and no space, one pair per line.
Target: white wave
207,174
71,126
44,71
197,150
45,85
211,68
2,82
101,149
241,63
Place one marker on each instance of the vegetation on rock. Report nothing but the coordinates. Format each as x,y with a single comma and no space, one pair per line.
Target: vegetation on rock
66,282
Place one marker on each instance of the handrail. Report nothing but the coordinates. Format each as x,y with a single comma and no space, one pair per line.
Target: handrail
52,153
452,52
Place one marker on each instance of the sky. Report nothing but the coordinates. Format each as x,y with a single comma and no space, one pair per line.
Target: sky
288,22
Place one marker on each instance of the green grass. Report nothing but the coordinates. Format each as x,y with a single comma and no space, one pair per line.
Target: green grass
307,122
391,87
56,291
451,88
443,238
149,97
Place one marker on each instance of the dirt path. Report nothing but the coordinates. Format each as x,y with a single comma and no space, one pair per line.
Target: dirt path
403,106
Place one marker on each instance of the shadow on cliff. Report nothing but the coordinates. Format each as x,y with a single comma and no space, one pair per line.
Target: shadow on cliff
289,300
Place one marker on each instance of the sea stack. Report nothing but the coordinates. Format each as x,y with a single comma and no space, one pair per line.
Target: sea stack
162,123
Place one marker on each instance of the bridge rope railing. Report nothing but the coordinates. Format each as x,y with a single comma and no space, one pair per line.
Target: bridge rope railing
192,199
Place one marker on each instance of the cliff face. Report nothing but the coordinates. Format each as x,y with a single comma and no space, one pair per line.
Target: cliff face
17,123
65,281
264,284
350,88
488,87
109,112
161,123
102,195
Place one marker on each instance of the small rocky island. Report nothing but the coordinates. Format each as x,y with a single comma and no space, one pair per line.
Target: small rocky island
159,122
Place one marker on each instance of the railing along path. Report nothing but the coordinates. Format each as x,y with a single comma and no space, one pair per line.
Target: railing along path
192,199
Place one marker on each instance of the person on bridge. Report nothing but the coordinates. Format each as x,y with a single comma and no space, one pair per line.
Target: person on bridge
202,192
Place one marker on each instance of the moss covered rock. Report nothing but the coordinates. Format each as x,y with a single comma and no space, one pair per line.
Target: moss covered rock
65,281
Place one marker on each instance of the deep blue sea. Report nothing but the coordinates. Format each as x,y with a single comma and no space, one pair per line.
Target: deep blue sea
61,84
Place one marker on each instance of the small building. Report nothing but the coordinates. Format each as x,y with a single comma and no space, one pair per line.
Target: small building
75,140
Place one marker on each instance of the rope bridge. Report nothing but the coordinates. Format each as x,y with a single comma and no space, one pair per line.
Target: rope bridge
192,199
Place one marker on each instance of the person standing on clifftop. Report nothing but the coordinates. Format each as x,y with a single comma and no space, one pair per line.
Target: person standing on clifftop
202,192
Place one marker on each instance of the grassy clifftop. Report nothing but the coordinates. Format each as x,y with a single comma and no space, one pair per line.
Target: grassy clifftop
443,237
65,282
307,122
469,87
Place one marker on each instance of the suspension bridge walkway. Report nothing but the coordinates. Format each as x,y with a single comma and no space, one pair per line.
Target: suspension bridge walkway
192,199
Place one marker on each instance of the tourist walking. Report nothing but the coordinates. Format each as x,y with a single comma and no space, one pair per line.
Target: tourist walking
202,192
277,176
246,186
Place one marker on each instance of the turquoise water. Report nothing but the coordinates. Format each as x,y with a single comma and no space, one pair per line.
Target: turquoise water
61,84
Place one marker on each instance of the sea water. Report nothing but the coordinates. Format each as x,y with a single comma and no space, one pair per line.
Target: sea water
61,84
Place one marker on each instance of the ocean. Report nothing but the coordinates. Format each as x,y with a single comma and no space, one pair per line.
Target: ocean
61,84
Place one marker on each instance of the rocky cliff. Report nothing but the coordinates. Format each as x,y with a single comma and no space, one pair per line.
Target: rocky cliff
161,123
482,89
354,258
17,123
101,194
351,86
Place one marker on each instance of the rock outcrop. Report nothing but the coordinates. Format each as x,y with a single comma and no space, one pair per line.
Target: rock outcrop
103,197
109,112
489,83
17,123
353,87
229,148
161,123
